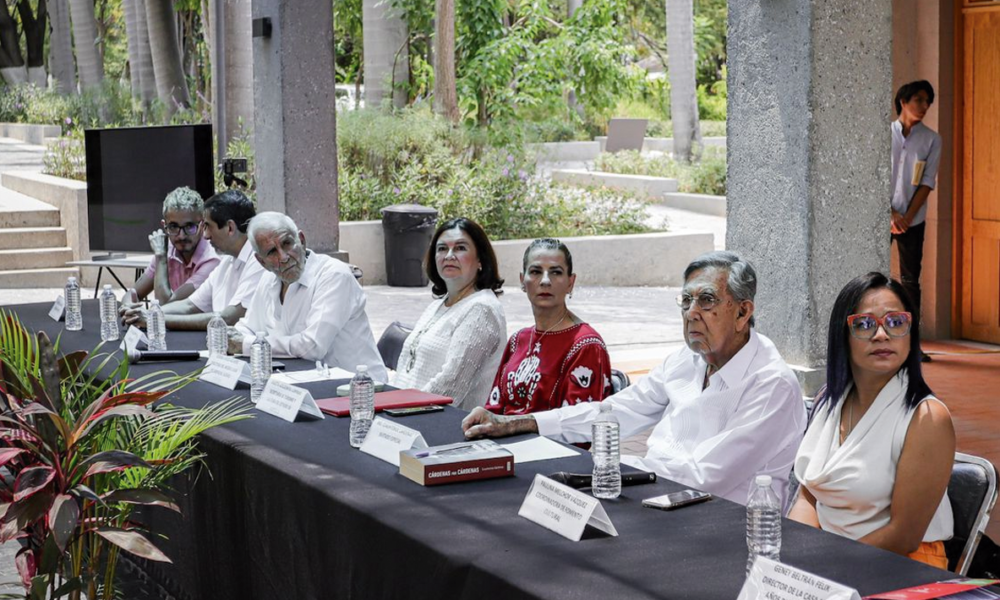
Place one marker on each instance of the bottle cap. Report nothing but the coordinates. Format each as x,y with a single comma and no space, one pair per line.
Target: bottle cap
107,286
605,407
154,302
71,280
763,480
361,368
260,335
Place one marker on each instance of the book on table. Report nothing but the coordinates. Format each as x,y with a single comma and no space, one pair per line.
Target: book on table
341,407
450,463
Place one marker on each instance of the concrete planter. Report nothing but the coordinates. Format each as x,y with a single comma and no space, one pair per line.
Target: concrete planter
652,144
30,134
641,185
67,195
566,151
647,259
699,203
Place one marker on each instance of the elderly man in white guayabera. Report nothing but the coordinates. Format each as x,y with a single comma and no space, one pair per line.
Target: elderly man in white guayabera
725,408
309,304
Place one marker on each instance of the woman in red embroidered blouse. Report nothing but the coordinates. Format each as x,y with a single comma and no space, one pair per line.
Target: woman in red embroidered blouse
561,360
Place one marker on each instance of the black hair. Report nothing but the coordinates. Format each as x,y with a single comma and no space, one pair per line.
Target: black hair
838,350
548,244
488,277
910,90
231,205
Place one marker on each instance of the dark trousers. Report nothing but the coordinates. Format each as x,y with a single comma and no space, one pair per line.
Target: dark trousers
910,246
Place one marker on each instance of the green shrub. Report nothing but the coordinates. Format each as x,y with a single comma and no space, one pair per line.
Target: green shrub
66,157
707,176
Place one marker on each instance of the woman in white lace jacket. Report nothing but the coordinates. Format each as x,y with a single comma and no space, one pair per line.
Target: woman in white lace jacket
455,347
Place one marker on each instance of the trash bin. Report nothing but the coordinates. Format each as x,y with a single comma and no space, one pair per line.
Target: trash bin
408,229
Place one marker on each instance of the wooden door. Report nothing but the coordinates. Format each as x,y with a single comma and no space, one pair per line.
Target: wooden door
981,177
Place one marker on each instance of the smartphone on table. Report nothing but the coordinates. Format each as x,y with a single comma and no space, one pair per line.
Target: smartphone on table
416,410
676,499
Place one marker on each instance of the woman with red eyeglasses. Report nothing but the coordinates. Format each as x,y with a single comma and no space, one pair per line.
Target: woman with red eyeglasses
877,457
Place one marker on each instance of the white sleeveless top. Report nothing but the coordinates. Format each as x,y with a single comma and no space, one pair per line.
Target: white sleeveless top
853,482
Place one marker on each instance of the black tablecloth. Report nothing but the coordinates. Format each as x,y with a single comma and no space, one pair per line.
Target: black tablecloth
292,511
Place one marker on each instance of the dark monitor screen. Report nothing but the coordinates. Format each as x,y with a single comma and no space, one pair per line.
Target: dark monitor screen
129,173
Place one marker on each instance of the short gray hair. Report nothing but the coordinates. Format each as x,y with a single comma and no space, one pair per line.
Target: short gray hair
270,221
741,280
183,199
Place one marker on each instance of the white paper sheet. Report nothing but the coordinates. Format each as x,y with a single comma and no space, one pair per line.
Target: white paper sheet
539,448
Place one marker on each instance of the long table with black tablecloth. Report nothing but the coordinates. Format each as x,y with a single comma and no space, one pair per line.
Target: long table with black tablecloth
290,510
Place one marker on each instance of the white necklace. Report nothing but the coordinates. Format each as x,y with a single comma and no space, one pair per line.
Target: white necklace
535,349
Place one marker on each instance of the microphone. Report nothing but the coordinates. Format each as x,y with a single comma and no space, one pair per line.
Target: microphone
579,480
162,355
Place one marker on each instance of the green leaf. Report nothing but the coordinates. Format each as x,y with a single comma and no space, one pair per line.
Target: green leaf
132,541
129,410
65,589
111,460
31,480
145,497
63,518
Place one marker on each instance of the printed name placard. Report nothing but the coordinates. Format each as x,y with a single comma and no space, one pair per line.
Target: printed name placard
133,336
225,371
564,510
770,579
287,401
58,309
386,439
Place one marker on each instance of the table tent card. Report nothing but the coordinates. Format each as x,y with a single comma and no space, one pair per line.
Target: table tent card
133,336
386,439
564,510
771,579
225,371
58,309
287,401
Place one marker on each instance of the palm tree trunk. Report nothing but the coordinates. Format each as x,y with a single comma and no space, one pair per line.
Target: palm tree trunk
445,95
11,61
147,76
384,36
88,59
681,71
132,37
34,26
61,47
171,85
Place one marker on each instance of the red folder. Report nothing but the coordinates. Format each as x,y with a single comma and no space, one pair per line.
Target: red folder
341,407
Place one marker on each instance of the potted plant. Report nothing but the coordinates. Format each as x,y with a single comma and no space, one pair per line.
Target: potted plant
79,452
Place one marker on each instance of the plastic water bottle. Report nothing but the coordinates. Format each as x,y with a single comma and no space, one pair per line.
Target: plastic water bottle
763,522
607,481
109,315
362,405
74,318
156,326
260,365
218,336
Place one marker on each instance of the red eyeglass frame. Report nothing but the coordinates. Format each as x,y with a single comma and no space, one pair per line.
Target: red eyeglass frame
879,322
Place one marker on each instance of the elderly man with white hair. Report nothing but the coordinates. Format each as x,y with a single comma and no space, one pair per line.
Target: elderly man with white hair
309,304
723,409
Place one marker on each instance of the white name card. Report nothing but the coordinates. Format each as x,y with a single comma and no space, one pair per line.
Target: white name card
58,309
385,440
564,510
287,401
225,371
133,336
773,580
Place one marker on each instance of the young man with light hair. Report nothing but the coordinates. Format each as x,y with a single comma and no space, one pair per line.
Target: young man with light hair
231,285
182,259
309,304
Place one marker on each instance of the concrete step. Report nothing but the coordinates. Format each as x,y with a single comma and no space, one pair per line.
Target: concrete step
14,218
32,237
34,258
37,278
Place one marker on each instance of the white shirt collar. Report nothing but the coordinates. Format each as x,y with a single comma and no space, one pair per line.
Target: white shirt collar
735,371
245,253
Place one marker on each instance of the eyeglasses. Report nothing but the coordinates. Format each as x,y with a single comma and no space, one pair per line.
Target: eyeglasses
187,228
895,324
704,301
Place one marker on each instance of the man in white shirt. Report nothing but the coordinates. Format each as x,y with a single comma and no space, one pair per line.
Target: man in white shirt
231,286
310,305
916,154
724,409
